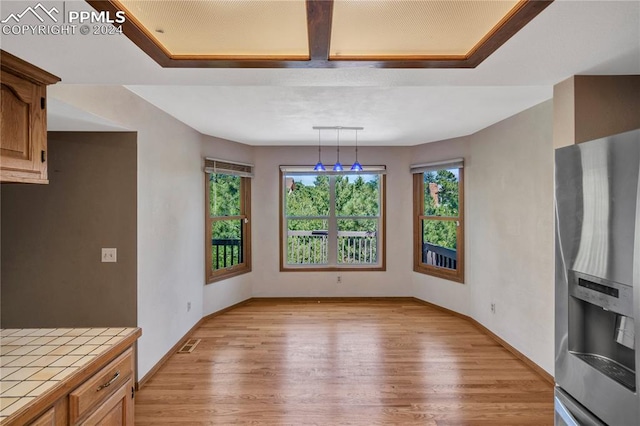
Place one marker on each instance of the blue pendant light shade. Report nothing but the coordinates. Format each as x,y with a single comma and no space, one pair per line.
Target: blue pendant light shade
319,166
338,167
357,167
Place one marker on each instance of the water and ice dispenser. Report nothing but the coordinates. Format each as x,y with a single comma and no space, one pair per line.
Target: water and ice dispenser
601,326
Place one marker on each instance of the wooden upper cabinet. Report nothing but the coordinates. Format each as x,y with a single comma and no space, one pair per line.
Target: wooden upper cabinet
23,120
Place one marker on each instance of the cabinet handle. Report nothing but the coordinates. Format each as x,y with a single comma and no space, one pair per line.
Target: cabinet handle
43,156
113,379
43,103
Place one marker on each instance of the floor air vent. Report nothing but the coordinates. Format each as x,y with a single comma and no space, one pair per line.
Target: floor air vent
189,346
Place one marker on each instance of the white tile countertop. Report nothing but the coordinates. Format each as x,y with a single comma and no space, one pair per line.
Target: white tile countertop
32,361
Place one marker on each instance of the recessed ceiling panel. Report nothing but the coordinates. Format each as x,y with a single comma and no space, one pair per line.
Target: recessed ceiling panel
418,28
321,33
224,28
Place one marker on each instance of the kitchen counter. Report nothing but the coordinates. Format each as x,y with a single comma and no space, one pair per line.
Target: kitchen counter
38,364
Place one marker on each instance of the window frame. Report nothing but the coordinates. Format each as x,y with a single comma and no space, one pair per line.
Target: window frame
419,266
212,275
382,226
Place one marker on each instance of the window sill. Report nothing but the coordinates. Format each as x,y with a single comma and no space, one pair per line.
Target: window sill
334,269
228,274
456,276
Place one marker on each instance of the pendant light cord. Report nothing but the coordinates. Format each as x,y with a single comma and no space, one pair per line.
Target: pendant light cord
338,145
356,145
319,146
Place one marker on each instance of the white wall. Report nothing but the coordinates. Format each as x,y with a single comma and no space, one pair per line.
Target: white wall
221,294
170,217
270,282
510,232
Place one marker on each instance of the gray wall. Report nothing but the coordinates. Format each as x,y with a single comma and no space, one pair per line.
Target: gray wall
52,235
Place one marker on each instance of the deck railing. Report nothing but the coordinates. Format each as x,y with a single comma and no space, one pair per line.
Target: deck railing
307,247
439,256
311,247
226,252
357,247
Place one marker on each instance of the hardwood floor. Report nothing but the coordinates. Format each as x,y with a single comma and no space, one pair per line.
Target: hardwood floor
361,362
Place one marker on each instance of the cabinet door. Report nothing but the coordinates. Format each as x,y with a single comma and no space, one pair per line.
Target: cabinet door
46,419
54,416
24,127
115,411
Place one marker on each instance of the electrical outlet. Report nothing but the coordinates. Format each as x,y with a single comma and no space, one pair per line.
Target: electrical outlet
493,308
188,306
109,255
339,279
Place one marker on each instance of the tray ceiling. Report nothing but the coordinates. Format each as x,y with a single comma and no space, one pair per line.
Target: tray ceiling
322,33
224,29
392,29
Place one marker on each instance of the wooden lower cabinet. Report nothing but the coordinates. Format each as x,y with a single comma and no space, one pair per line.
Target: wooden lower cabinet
117,410
46,419
107,397
102,393
90,402
54,416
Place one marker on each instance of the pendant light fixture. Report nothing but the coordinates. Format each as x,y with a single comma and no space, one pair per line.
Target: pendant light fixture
338,167
319,166
356,167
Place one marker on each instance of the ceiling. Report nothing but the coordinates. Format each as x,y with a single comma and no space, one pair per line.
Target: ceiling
395,106
405,28
224,28
321,33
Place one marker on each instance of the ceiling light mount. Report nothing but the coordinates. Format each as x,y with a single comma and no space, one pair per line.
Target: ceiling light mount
356,167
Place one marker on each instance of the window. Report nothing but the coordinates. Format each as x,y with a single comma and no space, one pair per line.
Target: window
332,221
228,218
438,224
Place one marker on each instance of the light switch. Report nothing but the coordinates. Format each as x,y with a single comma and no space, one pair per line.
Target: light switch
109,255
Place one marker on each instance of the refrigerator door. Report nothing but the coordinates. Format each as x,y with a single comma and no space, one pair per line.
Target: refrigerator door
568,412
597,248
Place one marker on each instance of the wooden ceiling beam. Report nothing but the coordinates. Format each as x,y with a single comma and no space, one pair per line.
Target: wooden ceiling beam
319,19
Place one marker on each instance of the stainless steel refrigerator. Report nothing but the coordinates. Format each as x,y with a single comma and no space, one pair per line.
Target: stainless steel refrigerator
597,201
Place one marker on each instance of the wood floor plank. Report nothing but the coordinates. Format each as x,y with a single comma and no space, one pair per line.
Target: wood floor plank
359,362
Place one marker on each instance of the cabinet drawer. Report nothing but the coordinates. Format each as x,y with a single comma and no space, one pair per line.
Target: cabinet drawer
100,386
117,410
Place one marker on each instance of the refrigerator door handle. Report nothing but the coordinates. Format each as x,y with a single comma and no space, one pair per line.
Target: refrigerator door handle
564,413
